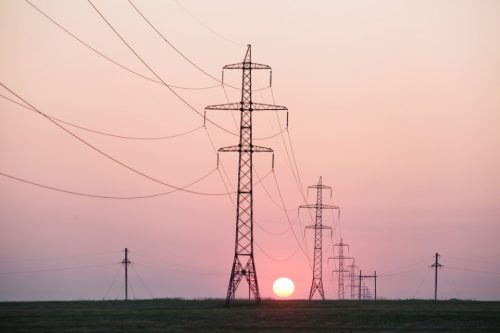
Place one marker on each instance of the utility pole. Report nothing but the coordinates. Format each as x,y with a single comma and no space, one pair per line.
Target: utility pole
436,266
359,285
317,280
341,269
243,262
126,262
374,276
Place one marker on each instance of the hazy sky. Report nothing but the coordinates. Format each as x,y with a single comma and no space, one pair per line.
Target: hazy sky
396,104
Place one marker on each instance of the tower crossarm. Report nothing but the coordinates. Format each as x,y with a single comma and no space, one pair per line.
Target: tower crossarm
317,226
253,107
340,257
238,148
225,107
322,206
320,187
247,65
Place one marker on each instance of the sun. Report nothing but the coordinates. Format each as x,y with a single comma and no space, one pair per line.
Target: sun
283,287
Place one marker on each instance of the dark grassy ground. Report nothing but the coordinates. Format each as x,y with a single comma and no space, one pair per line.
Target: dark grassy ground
271,316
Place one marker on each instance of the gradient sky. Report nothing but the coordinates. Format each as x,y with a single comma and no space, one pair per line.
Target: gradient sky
396,104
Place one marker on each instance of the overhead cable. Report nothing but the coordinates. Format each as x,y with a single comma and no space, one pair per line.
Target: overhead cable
102,152
106,133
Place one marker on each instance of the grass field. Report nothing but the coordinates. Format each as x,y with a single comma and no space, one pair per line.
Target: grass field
173,315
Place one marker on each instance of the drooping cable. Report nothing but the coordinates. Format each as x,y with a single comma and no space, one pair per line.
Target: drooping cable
280,259
112,282
106,133
78,39
155,74
102,152
55,269
206,26
288,218
104,196
142,281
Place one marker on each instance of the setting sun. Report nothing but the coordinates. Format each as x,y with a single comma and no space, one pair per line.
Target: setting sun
283,287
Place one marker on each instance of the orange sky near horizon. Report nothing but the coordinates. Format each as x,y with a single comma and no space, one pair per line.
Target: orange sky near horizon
396,104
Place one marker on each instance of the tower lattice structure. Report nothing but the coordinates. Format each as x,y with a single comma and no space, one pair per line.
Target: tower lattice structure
341,271
243,262
352,274
317,279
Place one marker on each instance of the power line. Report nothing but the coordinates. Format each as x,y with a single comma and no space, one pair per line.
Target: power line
206,26
112,282
106,133
53,269
162,36
269,195
108,196
102,152
172,45
108,58
287,217
142,281
296,178
155,74
57,257
473,270
160,81
276,259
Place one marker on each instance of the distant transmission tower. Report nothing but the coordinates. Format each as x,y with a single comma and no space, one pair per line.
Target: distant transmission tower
341,269
436,266
126,262
317,280
352,268
243,263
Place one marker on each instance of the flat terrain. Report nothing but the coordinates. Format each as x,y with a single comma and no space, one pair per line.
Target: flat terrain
173,315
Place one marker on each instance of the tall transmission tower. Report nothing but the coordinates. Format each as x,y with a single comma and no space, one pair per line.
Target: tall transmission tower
126,262
317,279
243,262
341,271
436,266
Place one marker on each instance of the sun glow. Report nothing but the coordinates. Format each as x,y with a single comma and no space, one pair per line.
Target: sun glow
283,287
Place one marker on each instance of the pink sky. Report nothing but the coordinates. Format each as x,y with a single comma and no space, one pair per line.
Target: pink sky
396,104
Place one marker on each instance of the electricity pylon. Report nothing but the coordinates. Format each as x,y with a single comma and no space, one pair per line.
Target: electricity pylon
317,280
244,263
126,262
352,267
436,266
341,270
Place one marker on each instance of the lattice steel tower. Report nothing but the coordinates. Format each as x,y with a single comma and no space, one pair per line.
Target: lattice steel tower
244,263
352,275
317,280
341,269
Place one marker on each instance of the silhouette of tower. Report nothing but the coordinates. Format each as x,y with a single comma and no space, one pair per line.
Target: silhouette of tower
126,262
436,266
317,279
244,263
352,268
341,269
